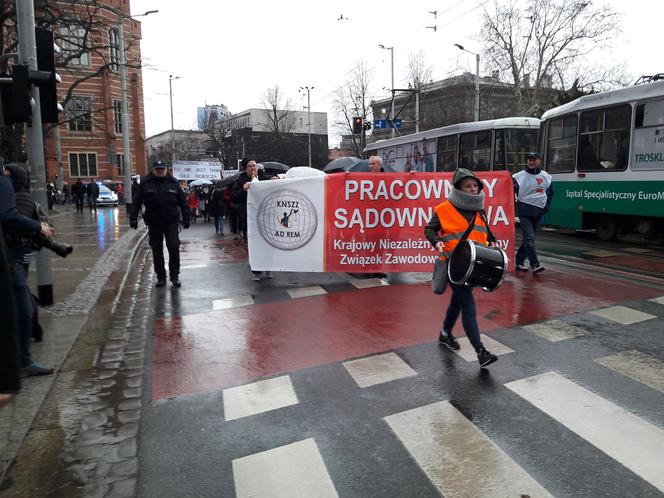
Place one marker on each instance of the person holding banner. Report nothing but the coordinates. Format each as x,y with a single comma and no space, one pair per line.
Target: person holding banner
241,187
462,211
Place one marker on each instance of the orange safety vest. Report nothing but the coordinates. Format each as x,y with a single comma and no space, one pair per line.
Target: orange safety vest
454,225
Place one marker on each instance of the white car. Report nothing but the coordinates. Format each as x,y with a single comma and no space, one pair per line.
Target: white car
107,197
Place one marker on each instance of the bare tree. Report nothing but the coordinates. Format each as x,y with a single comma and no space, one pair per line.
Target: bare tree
545,43
418,73
220,142
278,111
353,100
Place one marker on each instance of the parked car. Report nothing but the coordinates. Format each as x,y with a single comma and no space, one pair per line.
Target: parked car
107,197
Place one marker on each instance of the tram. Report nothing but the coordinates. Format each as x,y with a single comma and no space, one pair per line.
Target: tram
605,153
498,144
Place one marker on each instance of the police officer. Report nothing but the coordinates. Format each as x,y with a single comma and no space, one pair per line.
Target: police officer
162,196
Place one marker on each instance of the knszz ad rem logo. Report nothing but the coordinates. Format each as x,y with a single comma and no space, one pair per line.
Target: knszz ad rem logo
286,219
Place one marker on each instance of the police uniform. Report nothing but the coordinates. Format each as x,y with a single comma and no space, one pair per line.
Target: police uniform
164,201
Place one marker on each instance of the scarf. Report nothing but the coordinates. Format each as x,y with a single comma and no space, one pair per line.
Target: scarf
465,201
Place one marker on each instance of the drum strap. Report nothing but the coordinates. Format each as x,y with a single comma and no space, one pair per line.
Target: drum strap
490,236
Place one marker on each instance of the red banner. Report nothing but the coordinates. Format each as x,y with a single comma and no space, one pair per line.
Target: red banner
375,222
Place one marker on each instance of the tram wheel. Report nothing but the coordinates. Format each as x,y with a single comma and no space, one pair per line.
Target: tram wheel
606,228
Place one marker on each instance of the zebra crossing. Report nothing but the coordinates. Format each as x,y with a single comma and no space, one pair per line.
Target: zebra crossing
424,421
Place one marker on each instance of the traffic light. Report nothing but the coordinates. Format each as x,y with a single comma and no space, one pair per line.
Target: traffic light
48,93
357,125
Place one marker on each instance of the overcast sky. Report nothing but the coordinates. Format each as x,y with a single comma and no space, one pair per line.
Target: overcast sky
230,52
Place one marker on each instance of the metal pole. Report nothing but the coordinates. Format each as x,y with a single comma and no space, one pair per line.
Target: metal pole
309,121
125,116
392,59
170,93
27,54
477,87
417,109
58,157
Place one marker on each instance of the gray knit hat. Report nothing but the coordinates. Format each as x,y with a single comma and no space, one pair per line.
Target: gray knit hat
462,173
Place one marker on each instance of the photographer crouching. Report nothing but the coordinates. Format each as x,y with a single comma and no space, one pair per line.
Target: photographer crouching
24,231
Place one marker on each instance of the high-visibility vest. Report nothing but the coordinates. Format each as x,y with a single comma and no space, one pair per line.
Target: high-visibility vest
454,225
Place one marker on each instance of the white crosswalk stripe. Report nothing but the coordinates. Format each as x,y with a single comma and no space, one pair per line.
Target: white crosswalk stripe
639,366
468,353
458,458
637,444
555,330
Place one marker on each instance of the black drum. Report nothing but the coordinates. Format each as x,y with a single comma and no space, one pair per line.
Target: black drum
477,265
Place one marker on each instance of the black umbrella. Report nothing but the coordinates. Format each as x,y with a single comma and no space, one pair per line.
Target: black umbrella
275,166
362,166
340,164
229,180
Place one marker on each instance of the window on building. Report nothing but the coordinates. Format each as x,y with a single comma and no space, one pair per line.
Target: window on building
561,145
73,42
447,153
119,160
79,115
475,151
114,49
83,164
604,139
117,116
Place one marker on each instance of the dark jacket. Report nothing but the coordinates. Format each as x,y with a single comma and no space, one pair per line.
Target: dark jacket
164,201
525,210
10,380
78,189
239,196
11,219
216,205
92,190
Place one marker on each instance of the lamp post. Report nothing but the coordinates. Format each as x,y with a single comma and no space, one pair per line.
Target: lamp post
170,92
126,155
391,49
308,90
477,80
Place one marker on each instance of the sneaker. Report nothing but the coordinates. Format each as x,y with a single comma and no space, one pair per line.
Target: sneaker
160,282
448,340
485,358
521,267
36,369
176,282
538,268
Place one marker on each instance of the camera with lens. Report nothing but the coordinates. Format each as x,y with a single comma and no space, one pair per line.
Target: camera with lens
59,248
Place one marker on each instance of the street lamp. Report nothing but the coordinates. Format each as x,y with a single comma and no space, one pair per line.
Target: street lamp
170,92
391,49
308,90
477,80
126,155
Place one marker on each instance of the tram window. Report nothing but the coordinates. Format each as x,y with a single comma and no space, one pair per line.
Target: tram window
475,151
650,114
447,153
518,143
561,145
605,147
499,161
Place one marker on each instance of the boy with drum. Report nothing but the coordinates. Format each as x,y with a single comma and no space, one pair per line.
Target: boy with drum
452,219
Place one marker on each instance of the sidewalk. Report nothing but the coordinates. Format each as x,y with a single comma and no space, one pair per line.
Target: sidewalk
103,245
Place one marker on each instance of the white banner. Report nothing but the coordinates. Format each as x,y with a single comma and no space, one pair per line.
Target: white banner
197,170
285,224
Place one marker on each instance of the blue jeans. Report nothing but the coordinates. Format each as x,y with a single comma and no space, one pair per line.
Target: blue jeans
463,302
527,247
24,310
219,224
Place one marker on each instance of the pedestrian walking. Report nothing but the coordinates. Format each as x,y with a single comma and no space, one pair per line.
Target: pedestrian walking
217,208
78,192
533,189
92,189
50,195
463,209
231,210
193,203
164,201
16,229
66,192
241,187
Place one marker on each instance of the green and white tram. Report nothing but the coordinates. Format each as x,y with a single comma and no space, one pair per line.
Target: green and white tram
497,144
605,153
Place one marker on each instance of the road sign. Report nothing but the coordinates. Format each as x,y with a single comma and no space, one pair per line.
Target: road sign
379,124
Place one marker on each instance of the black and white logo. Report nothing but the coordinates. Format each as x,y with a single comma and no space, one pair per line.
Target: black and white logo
286,219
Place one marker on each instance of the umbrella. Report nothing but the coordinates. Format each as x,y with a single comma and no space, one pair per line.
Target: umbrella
340,164
275,166
362,166
198,183
303,172
230,180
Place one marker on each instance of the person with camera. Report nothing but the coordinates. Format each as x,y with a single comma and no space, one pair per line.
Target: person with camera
164,201
16,227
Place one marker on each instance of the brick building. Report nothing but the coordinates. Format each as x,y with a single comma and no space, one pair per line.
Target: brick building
91,126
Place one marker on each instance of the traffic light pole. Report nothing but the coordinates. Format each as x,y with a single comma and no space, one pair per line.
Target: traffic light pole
27,55
126,155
